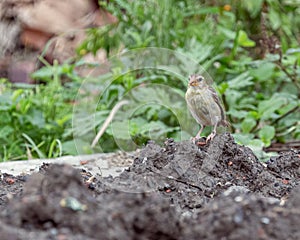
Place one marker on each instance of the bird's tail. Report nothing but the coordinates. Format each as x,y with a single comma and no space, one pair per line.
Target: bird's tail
226,126
224,123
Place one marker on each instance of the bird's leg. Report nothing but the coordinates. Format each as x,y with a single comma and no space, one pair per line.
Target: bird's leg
200,131
213,133
194,139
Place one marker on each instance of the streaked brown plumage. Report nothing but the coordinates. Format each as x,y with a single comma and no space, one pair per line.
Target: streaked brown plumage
204,105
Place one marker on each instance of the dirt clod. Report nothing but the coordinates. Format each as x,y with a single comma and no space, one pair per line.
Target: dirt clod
177,191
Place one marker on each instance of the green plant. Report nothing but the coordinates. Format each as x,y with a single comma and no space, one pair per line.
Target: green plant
259,88
146,117
260,91
250,48
33,117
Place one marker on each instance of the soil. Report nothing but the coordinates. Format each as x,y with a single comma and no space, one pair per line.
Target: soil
177,191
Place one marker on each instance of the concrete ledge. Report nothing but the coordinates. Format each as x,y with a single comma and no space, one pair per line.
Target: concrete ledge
104,164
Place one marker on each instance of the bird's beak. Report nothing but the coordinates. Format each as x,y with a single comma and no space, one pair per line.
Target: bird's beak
193,83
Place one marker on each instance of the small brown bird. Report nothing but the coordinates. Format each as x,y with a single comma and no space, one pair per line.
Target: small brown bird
204,105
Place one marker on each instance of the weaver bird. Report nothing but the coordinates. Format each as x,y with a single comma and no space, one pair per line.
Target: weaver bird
204,105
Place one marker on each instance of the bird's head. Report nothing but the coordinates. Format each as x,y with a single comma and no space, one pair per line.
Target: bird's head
196,80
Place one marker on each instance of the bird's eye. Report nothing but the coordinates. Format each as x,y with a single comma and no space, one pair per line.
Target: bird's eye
200,79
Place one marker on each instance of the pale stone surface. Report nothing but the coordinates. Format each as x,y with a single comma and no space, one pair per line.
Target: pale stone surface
104,164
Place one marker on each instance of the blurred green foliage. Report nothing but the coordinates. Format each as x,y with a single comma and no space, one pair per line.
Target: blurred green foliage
251,48
33,118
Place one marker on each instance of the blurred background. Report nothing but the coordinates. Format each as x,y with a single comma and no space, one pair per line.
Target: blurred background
59,56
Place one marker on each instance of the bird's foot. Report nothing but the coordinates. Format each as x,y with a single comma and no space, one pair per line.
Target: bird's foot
210,137
198,140
193,140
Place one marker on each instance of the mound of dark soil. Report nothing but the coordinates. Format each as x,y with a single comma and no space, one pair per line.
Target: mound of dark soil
178,191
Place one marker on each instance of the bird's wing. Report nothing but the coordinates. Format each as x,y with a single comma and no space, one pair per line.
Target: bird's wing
199,111
217,101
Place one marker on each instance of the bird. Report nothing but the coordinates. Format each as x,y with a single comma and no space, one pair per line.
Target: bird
204,105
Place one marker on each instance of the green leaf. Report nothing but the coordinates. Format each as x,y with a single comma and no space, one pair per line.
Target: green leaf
242,80
239,114
267,108
264,71
5,101
36,118
196,50
31,144
243,40
64,119
256,145
266,134
120,129
253,7
43,73
70,148
5,118
56,143
17,93
202,11
248,124
222,87
228,33
243,139
5,132
253,114
274,18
